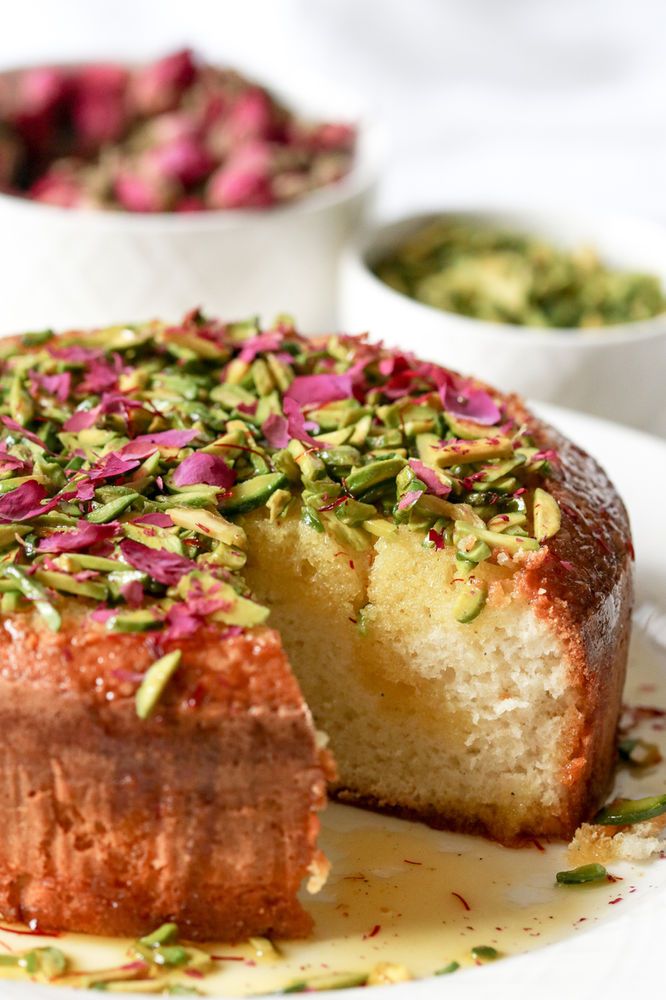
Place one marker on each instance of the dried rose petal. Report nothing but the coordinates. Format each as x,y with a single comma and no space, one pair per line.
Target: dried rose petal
132,593
203,468
275,429
23,503
58,385
83,536
468,403
430,478
165,567
409,498
297,425
319,389
13,425
157,519
82,419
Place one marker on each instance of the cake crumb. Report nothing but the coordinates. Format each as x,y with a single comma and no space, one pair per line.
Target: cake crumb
638,842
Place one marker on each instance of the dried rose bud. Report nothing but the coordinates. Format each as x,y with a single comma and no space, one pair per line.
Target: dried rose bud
40,94
11,153
230,187
99,112
158,87
59,187
252,117
244,181
333,136
140,190
184,160
190,203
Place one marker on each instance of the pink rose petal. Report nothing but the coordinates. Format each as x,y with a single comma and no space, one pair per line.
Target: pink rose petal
275,429
156,519
82,537
203,468
430,478
12,425
165,567
469,403
310,390
23,503
298,426
409,498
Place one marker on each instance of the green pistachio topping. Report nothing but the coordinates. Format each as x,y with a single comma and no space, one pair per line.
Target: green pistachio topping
479,270
130,456
484,953
582,875
625,812
446,970
154,683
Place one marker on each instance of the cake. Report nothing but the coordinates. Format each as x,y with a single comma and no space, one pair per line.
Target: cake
210,531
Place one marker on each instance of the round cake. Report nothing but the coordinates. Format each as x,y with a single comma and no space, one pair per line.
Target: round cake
212,534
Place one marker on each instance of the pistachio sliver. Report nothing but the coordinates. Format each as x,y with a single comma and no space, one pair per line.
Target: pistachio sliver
363,478
496,539
211,525
547,515
470,601
155,681
484,953
625,812
109,511
582,875
165,934
35,593
69,585
465,452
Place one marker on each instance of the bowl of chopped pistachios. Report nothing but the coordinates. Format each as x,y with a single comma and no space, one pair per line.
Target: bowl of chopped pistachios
559,307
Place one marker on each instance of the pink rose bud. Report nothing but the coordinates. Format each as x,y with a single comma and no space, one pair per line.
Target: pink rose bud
232,187
40,90
143,192
170,127
158,87
252,116
40,94
10,156
99,106
184,160
190,203
333,136
60,188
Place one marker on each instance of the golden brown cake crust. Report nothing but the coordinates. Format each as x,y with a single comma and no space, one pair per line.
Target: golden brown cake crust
582,582
204,814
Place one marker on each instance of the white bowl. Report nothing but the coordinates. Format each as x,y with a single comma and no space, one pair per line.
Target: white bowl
616,372
70,267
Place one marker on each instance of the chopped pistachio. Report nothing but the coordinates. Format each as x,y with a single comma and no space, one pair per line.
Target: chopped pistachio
547,515
34,592
582,875
481,270
625,812
484,953
155,681
446,970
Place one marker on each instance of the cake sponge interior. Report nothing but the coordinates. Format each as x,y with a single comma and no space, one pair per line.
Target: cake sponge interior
468,726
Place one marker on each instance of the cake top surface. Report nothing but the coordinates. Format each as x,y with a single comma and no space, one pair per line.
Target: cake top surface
129,455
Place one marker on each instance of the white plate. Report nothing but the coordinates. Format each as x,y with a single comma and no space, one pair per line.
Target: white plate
618,949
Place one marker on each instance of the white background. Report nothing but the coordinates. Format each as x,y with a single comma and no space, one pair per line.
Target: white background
484,100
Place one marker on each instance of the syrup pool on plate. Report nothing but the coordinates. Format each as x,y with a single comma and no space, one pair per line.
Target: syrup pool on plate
402,893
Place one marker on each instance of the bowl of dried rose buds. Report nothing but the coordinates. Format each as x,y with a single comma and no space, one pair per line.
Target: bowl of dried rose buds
563,307
131,191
